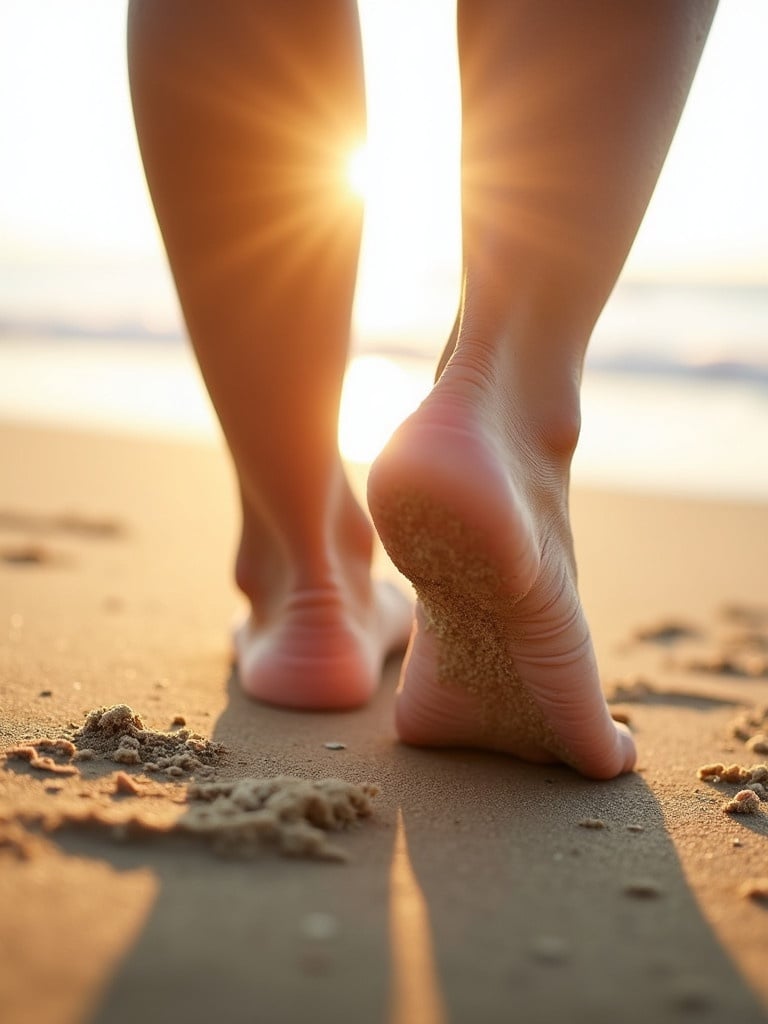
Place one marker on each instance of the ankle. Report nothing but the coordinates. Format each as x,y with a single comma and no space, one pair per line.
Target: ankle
318,556
557,422
537,396
262,571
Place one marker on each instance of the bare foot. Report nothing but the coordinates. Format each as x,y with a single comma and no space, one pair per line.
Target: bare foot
471,504
318,640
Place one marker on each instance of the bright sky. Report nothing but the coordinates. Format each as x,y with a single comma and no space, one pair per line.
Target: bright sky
72,190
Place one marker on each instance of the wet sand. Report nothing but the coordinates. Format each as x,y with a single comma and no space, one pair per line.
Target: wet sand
480,888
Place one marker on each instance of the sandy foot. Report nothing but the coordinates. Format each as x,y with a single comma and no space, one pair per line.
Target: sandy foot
319,650
476,517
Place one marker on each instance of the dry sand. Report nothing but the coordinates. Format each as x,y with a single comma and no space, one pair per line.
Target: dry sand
476,890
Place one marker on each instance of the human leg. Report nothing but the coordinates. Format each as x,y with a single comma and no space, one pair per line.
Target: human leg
568,112
245,112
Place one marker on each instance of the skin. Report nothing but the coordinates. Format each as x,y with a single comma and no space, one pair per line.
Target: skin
244,113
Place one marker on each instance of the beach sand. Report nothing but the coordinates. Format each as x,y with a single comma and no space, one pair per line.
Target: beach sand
480,889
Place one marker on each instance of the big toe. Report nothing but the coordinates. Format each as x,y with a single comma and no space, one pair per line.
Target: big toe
615,756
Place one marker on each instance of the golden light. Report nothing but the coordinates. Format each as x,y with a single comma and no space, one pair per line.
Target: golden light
378,395
410,265
416,991
358,171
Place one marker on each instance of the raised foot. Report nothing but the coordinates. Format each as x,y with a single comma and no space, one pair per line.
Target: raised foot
501,658
320,653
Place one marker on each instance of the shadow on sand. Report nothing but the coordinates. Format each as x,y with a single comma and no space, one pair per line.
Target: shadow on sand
473,895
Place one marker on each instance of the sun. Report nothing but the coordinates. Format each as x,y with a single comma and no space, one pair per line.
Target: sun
358,171
378,395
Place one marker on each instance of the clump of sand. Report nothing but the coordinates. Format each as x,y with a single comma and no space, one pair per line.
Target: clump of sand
290,813
118,734
745,802
718,772
752,780
236,818
30,752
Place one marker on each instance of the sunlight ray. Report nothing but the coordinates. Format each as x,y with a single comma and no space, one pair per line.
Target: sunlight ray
416,992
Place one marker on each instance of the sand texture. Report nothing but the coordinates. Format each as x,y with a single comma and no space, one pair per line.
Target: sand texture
237,817
473,887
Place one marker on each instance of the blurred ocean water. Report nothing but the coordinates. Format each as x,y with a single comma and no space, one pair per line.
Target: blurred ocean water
675,394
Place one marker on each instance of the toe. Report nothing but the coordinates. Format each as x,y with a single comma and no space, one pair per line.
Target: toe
615,756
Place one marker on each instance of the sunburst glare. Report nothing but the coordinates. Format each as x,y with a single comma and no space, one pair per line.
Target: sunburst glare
358,171
378,395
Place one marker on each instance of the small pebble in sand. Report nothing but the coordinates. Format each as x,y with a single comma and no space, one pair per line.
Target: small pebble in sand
86,754
126,785
755,889
595,823
635,828
46,693
318,926
736,842
335,745
642,889
758,789
745,802
549,949
178,720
